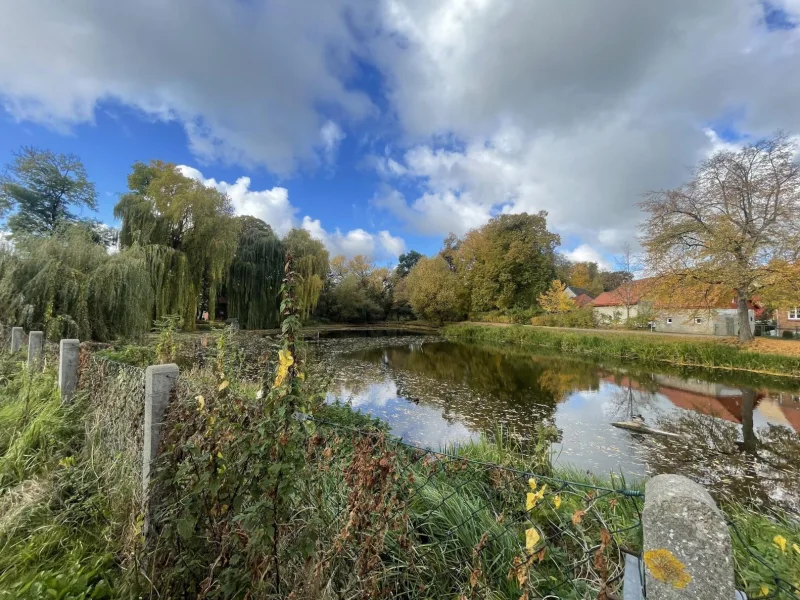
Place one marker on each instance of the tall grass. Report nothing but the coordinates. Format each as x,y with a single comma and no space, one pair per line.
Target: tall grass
634,347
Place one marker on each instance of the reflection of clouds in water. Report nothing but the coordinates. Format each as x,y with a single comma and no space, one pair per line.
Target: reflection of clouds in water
416,423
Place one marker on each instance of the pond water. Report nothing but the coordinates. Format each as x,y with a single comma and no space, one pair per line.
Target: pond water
737,435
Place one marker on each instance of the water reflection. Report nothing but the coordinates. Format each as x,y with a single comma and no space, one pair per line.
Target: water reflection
736,439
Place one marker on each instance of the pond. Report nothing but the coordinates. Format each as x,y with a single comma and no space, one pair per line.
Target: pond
733,433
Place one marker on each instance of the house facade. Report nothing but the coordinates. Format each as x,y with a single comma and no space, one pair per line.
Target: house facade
788,319
630,301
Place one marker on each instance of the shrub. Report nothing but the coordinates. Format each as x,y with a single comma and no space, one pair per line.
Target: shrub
788,335
581,317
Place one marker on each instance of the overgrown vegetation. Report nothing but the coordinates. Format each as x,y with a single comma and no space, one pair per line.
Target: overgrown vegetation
632,347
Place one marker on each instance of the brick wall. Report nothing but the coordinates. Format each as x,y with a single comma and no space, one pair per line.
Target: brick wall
782,318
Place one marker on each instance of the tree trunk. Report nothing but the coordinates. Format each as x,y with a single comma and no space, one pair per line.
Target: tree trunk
745,332
748,432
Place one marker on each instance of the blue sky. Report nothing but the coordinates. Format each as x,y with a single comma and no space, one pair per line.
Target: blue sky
382,125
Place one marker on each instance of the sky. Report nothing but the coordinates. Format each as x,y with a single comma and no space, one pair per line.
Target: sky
382,126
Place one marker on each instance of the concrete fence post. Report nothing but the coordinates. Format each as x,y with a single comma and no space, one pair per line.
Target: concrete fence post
69,352
35,346
687,545
16,339
159,381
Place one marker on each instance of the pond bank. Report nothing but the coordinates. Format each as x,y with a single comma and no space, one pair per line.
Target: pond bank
684,352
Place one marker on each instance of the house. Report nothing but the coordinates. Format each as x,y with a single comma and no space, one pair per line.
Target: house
582,300
710,314
788,319
574,292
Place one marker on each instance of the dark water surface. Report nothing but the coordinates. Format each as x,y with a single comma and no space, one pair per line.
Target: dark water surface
738,435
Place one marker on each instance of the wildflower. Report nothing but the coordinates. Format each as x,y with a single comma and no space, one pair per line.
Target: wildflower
764,589
201,403
665,567
285,360
530,500
796,548
532,484
532,538
557,502
780,542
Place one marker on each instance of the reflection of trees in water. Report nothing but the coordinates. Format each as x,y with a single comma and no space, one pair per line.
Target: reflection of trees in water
732,460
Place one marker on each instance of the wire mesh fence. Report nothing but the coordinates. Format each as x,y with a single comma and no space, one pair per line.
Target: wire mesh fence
405,518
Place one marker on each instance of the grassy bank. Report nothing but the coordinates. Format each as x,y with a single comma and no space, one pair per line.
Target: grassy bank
633,347
365,517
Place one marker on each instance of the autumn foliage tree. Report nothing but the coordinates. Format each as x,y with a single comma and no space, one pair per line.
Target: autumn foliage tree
435,292
555,299
734,225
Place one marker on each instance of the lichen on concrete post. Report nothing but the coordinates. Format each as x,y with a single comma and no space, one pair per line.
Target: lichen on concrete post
69,352
159,381
687,546
16,339
35,346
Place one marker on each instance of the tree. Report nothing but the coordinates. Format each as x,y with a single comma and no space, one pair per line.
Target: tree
734,225
508,262
311,265
255,276
44,187
188,233
630,293
435,291
555,299
407,262
611,280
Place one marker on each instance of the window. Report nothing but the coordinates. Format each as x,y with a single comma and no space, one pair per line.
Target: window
794,314
669,320
698,320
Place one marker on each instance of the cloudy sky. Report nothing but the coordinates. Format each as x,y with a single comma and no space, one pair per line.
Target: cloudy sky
383,125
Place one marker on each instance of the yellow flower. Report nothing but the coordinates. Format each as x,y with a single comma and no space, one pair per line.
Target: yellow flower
557,502
665,567
530,500
796,548
285,360
780,542
764,589
532,538
532,483
201,403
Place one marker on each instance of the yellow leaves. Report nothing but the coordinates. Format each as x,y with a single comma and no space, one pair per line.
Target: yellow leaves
780,542
201,403
532,498
665,567
555,299
532,484
532,538
223,385
796,548
764,589
285,360
557,502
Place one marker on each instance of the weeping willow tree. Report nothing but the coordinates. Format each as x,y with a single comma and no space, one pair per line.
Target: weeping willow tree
254,279
70,287
310,259
187,234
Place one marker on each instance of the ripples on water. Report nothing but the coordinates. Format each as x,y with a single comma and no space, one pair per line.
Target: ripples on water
739,436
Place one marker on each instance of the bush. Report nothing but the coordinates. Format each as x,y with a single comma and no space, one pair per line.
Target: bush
581,317
787,335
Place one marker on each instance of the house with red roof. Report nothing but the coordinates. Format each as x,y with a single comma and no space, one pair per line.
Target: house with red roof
712,312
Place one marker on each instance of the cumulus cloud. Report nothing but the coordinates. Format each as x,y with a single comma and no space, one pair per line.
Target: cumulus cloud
585,253
245,79
510,106
273,207
380,246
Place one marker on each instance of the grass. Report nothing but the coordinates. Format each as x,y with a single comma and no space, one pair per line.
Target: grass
634,347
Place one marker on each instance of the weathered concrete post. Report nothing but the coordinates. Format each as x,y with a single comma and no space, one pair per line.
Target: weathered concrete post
687,546
69,352
16,339
159,380
35,344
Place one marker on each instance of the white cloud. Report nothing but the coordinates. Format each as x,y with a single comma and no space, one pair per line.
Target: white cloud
380,246
273,207
585,252
245,79
331,135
